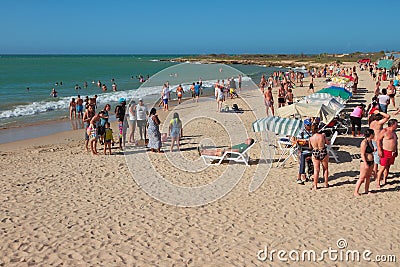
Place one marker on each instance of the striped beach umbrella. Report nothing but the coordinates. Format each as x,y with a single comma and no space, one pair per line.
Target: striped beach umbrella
302,110
278,125
325,96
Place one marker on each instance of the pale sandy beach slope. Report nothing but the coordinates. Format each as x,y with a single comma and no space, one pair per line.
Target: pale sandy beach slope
62,206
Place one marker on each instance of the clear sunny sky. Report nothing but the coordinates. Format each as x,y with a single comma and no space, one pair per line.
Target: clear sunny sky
197,27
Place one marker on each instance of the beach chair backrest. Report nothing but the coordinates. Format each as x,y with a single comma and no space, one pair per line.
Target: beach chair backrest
248,148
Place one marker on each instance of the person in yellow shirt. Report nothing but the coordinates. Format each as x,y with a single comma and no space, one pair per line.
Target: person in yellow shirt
108,138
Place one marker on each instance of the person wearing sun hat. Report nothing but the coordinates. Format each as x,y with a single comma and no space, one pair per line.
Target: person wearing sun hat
304,151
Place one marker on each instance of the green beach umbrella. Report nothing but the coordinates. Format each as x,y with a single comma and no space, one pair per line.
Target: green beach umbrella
385,63
337,91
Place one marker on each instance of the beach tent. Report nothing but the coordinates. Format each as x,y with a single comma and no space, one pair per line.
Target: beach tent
299,110
337,91
326,96
385,63
330,102
278,125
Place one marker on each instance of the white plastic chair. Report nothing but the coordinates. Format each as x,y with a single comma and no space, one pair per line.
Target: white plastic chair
329,147
287,150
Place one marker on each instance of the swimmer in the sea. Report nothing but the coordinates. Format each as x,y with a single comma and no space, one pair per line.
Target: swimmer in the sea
53,93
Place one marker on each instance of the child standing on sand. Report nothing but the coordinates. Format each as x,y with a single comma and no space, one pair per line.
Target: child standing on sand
108,138
92,133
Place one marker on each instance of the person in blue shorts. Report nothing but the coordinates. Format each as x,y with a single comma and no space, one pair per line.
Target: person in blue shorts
197,91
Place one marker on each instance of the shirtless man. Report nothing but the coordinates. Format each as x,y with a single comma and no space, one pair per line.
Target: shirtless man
387,150
79,106
377,120
319,155
269,101
281,96
391,91
377,90
263,81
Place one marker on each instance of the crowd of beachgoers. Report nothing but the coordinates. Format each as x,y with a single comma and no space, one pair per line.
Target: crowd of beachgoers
379,148
131,116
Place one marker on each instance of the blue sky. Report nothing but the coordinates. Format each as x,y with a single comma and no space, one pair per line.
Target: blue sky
197,27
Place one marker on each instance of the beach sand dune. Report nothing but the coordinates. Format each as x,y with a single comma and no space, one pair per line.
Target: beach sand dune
61,206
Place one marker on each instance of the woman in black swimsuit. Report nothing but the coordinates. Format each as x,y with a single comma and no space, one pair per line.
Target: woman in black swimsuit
367,161
320,156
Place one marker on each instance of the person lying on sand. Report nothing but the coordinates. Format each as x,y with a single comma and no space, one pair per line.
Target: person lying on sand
219,152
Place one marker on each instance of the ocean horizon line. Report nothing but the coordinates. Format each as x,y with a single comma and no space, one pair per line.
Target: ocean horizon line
178,54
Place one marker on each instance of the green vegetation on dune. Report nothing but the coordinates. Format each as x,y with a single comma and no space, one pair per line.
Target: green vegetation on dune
284,59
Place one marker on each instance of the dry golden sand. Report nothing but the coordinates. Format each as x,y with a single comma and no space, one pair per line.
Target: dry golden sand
61,206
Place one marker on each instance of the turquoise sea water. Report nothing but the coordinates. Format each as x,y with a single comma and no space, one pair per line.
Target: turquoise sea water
41,73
